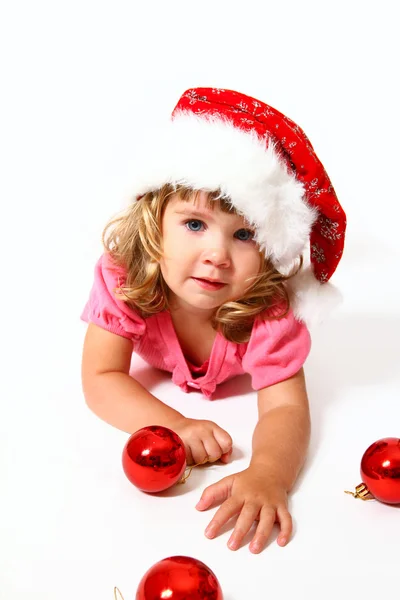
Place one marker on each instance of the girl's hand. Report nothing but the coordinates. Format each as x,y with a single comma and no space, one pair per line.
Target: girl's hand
253,497
203,439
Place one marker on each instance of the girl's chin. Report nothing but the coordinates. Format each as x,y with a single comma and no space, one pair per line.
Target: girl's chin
199,303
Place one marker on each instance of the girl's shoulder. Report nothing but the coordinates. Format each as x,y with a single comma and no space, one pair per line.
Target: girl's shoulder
104,308
108,267
277,321
277,348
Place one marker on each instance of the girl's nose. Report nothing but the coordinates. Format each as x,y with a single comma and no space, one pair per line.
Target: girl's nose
218,257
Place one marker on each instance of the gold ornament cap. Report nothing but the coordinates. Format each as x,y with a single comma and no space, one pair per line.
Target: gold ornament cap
361,492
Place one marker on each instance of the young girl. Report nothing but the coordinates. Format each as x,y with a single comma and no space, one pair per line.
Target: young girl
212,272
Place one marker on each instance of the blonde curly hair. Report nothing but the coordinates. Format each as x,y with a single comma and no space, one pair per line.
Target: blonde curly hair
133,240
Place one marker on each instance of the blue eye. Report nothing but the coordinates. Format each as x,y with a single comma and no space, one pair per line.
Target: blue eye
244,235
194,225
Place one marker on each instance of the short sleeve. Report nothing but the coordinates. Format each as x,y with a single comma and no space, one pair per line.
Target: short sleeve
277,349
104,309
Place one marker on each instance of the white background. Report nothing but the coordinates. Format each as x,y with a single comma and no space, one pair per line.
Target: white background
80,80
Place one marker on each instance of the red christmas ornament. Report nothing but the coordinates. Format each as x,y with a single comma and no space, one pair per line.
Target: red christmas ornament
154,458
380,472
179,578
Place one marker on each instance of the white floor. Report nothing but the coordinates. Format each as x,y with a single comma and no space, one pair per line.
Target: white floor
82,79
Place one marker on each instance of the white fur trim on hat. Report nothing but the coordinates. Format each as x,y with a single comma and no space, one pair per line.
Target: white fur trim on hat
209,152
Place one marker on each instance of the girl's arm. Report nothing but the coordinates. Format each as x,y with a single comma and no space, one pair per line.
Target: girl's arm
282,434
110,392
280,442
117,398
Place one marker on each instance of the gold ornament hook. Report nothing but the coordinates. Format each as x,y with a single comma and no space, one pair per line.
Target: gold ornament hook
186,476
361,492
120,596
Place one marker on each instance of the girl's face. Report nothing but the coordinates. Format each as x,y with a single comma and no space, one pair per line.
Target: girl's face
208,255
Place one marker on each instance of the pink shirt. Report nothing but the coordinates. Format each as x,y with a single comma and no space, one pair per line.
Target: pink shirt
276,350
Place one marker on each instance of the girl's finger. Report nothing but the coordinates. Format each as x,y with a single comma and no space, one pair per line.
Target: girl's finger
247,516
223,438
229,509
263,531
189,456
215,493
198,451
225,458
286,524
212,448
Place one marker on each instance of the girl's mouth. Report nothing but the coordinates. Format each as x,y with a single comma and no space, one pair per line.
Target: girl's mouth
208,285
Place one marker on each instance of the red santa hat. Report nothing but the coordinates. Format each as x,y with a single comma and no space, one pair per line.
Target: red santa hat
266,166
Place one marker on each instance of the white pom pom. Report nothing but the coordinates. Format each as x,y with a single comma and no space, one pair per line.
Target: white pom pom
311,300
